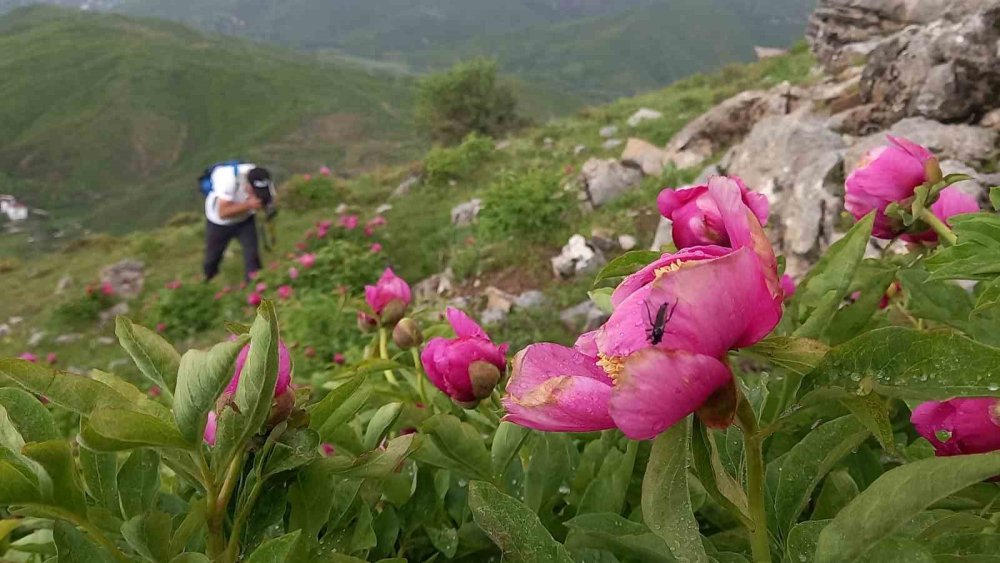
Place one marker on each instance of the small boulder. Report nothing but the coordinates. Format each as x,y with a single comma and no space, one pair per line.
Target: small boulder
406,186
384,208
606,180
5,330
768,52
106,341
643,114
69,338
583,317
578,150
115,311
464,214
577,257
36,338
991,120
611,143
126,277
531,299
627,242
608,131
437,285
648,157
65,283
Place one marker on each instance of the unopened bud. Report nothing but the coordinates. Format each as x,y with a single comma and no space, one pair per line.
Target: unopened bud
392,313
366,323
484,377
407,334
281,408
932,169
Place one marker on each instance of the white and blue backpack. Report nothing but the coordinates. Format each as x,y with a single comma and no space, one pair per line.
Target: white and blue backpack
205,180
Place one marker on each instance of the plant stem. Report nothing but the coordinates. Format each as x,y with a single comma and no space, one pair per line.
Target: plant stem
233,549
942,230
216,509
418,367
752,439
383,352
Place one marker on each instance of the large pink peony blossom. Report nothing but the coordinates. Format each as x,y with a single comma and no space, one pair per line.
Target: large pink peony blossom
662,353
388,289
890,174
696,217
960,426
449,362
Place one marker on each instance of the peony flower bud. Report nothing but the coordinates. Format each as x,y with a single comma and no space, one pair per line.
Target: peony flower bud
389,298
484,377
407,334
960,426
458,366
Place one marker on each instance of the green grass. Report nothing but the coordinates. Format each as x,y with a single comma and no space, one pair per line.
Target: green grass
109,119
419,239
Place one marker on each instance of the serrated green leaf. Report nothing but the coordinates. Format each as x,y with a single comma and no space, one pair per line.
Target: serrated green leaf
156,359
201,378
513,527
666,501
894,498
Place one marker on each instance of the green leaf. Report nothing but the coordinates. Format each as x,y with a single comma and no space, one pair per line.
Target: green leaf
149,535
626,264
100,473
838,490
602,299
507,442
821,317
801,543
154,356
191,558
29,416
294,448
977,254
942,300
898,550
834,271
966,547
873,411
329,415
607,492
910,364
70,391
804,466
897,496
193,522
255,392
74,547
611,532
18,484
797,355
718,483
549,464
666,501
995,197
10,438
139,482
277,550
459,442
201,378
984,323
376,464
57,459
871,281
110,429
513,527
379,425
445,540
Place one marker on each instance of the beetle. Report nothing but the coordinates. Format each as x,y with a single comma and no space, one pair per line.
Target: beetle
658,325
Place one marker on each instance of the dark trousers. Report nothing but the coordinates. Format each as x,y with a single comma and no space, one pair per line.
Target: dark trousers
217,238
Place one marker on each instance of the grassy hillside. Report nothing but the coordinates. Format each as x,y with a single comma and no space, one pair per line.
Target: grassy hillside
601,49
108,119
528,217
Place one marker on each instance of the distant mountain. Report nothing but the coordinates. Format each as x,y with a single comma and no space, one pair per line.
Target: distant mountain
109,119
602,48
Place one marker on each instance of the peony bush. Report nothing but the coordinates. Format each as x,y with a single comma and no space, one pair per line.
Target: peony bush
724,412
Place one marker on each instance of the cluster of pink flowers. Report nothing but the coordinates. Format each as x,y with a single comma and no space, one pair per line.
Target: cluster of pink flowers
348,222
662,354
372,225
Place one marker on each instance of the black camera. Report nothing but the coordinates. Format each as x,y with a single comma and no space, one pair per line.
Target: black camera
263,188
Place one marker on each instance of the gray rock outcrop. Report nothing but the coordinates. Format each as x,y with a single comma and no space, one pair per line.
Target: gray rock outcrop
126,277
606,180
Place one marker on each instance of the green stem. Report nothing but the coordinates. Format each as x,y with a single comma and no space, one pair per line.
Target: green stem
383,351
759,541
942,230
233,549
418,366
217,505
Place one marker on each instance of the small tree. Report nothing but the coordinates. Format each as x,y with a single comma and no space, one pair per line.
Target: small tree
468,98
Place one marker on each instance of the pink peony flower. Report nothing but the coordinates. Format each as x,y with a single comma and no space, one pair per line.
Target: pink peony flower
890,174
28,357
273,265
376,222
285,292
449,362
787,286
389,288
107,288
960,426
160,327
300,246
174,284
219,295
338,358
254,299
328,449
376,248
307,177
369,231
662,354
293,273
349,222
284,370
154,391
51,358
261,287
324,170
307,260
696,216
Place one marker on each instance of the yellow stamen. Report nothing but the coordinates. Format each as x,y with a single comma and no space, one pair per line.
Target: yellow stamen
612,365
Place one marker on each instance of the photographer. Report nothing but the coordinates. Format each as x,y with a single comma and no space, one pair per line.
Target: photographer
237,193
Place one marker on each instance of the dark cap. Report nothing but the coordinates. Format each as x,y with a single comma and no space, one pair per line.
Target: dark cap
259,178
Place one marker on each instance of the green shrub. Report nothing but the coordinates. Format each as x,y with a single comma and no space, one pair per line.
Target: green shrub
320,325
189,309
303,194
528,206
339,263
455,163
468,98
83,309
